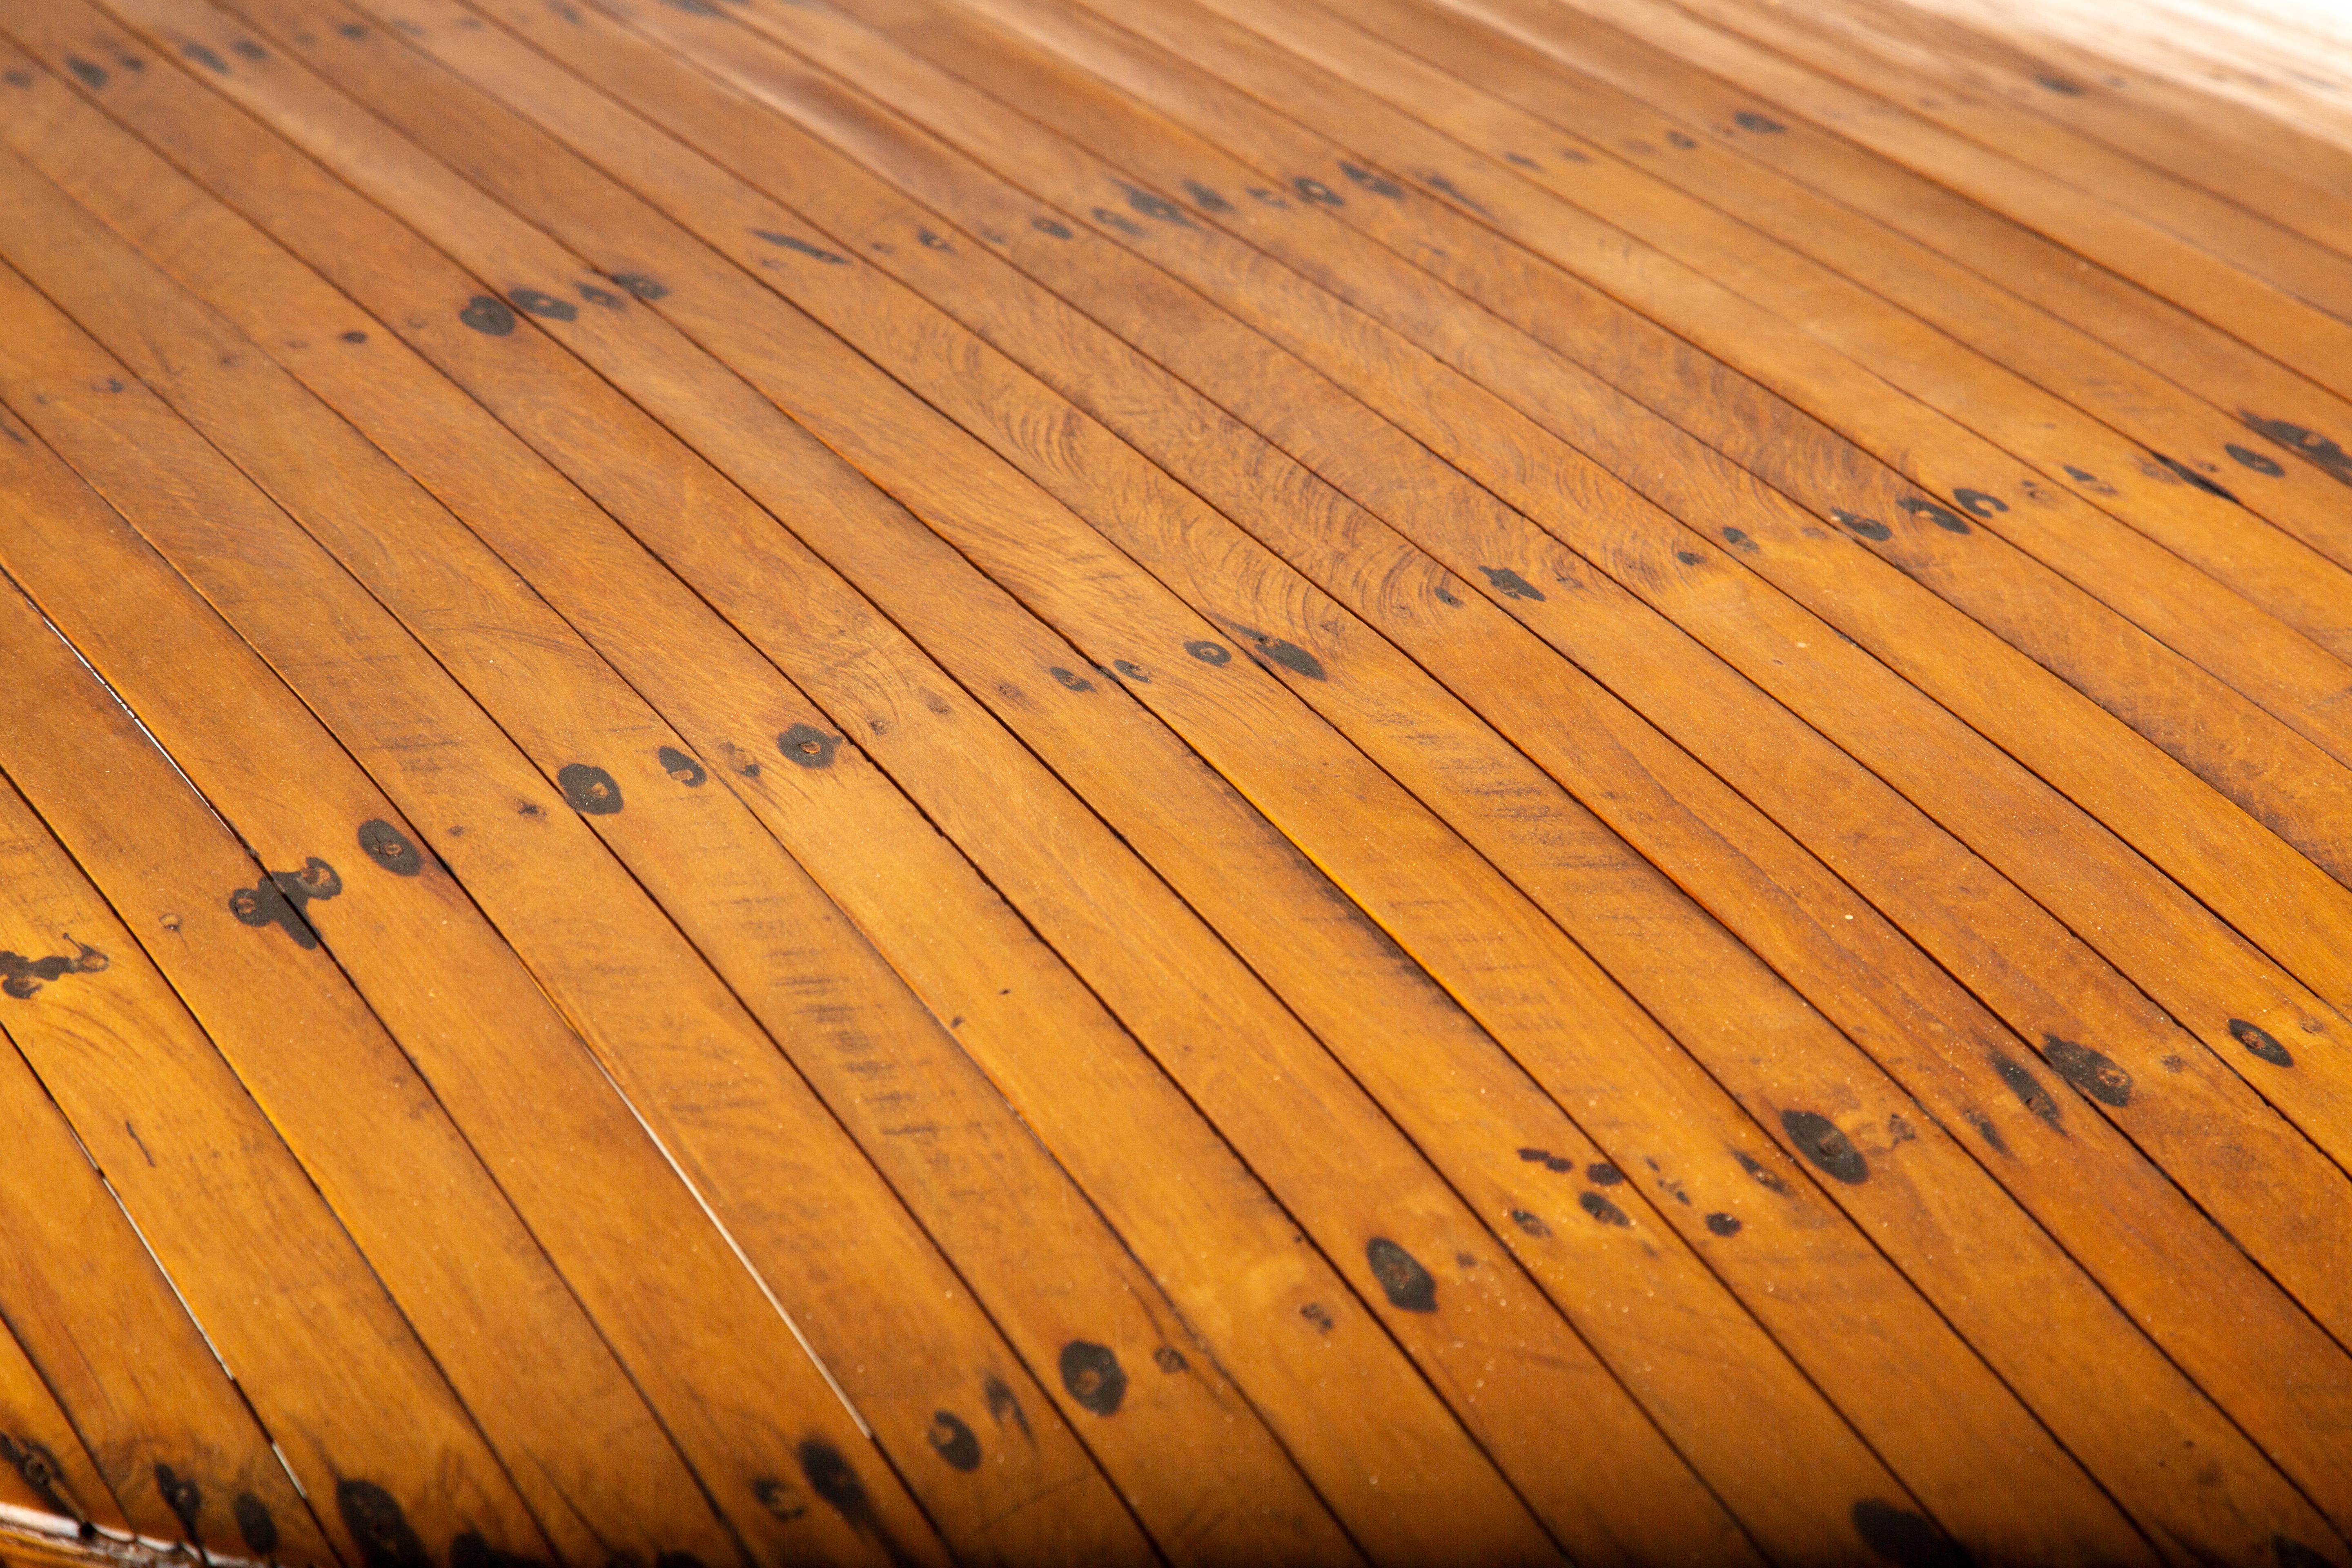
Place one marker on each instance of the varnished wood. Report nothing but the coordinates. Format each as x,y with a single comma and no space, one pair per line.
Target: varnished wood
1457,780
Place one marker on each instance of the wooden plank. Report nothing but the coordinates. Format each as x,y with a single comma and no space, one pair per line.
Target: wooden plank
1509,366
2300,183
2103,1009
2305,268
2267,398
814,984
556,1450
857,225
1469,815
2145,415
2260,313
116,1078
668,275
48,1470
1394,1434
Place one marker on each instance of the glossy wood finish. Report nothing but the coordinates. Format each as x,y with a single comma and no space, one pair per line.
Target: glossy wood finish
1101,780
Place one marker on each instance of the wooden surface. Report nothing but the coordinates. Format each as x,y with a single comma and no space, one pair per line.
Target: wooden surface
1084,782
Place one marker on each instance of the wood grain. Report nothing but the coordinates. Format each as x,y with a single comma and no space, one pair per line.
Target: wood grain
1034,781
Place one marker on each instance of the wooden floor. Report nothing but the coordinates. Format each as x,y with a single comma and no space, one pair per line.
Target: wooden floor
1223,782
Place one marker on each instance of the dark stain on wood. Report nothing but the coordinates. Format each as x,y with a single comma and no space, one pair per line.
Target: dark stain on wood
780,1497
2094,1073
546,305
808,746
39,1468
1002,1403
2260,1042
836,1480
469,1548
589,789
1092,1377
1821,1140
1402,1278
1602,1209
954,1441
1905,1538
2184,473
387,847
185,1499
803,247
2028,1088
485,314
282,899
1511,584
376,1520
2310,445
1761,1171
22,977
1942,516
1153,206
255,1526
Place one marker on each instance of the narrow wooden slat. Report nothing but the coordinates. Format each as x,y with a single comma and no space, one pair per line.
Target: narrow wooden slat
388,924
2265,397
48,1469
816,984
671,275
2305,267
2146,414
2297,182
1471,534
496,482
2316,345
1398,782
1281,1347
815,180
115,1070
